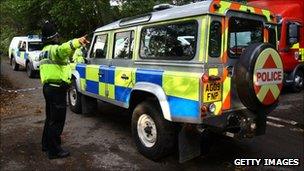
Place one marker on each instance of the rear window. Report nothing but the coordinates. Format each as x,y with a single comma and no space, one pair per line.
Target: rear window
215,39
242,33
169,42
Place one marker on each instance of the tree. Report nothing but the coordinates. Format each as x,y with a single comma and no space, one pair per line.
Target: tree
72,18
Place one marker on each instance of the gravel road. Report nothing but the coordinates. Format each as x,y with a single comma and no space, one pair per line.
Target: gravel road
103,140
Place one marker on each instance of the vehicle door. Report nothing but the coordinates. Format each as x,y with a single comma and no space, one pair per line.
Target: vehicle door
93,79
22,53
213,87
121,73
294,44
241,30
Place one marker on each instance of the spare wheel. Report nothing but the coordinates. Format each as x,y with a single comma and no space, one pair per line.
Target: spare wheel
259,77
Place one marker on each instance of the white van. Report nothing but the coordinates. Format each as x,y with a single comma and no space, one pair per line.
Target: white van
23,51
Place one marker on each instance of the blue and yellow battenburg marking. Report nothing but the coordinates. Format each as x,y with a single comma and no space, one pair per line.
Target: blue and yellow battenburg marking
181,88
22,55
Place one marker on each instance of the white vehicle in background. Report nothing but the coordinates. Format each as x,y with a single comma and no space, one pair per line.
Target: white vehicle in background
24,51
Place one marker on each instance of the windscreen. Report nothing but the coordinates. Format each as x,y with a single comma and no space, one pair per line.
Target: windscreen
34,46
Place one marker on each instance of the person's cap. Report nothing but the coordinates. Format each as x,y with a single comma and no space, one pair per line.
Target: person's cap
49,31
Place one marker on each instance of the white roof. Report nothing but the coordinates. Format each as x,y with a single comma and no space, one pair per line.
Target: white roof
26,38
175,12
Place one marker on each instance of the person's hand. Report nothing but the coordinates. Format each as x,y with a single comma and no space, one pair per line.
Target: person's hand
83,40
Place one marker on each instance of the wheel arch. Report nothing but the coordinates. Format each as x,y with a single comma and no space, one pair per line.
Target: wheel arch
75,75
143,91
298,67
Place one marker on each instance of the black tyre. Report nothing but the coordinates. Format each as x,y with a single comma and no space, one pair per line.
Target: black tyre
31,73
258,77
154,136
74,98
298,81
14,64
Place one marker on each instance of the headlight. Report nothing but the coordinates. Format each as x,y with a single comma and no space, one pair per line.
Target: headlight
36,58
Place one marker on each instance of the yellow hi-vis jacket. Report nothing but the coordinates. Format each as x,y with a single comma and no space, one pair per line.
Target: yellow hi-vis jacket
78,56
54,62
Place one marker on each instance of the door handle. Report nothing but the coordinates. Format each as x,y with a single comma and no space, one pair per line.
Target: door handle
124,77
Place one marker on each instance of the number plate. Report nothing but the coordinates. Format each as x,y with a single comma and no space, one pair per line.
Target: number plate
212,92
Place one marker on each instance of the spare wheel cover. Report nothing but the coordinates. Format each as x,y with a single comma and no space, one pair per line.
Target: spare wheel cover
259,77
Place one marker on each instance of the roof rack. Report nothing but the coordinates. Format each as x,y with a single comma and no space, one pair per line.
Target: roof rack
162,7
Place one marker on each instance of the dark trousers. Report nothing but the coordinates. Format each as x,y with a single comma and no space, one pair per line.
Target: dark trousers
55,110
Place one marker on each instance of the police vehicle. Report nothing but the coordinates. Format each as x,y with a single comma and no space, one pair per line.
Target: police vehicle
24,51
183,71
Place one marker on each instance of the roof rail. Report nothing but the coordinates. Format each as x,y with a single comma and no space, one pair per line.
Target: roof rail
162,7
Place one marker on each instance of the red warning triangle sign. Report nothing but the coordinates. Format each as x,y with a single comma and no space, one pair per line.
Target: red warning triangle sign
269,99
269,63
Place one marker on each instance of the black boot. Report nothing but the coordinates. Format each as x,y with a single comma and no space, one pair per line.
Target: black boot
60,154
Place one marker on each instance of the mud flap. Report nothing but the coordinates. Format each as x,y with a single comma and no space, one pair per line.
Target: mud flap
261,120
260,124
88,104
189,144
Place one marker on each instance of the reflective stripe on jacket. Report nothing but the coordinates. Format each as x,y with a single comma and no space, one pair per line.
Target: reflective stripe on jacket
54,62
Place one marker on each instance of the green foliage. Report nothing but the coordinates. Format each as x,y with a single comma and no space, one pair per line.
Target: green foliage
72,18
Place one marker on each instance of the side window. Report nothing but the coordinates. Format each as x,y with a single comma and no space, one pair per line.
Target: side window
22,46
279,31
169,42
293,32
123,46
215,39
19,44
100,45
242,33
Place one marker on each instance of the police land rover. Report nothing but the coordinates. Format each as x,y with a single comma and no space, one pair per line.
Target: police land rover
184,70
24,51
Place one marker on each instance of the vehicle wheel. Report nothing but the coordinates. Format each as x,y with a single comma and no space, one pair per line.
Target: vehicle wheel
31,73
259,77
298,81
74,98
14,64
154,136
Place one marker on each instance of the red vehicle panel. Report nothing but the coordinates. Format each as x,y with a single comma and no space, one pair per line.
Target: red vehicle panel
288,12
